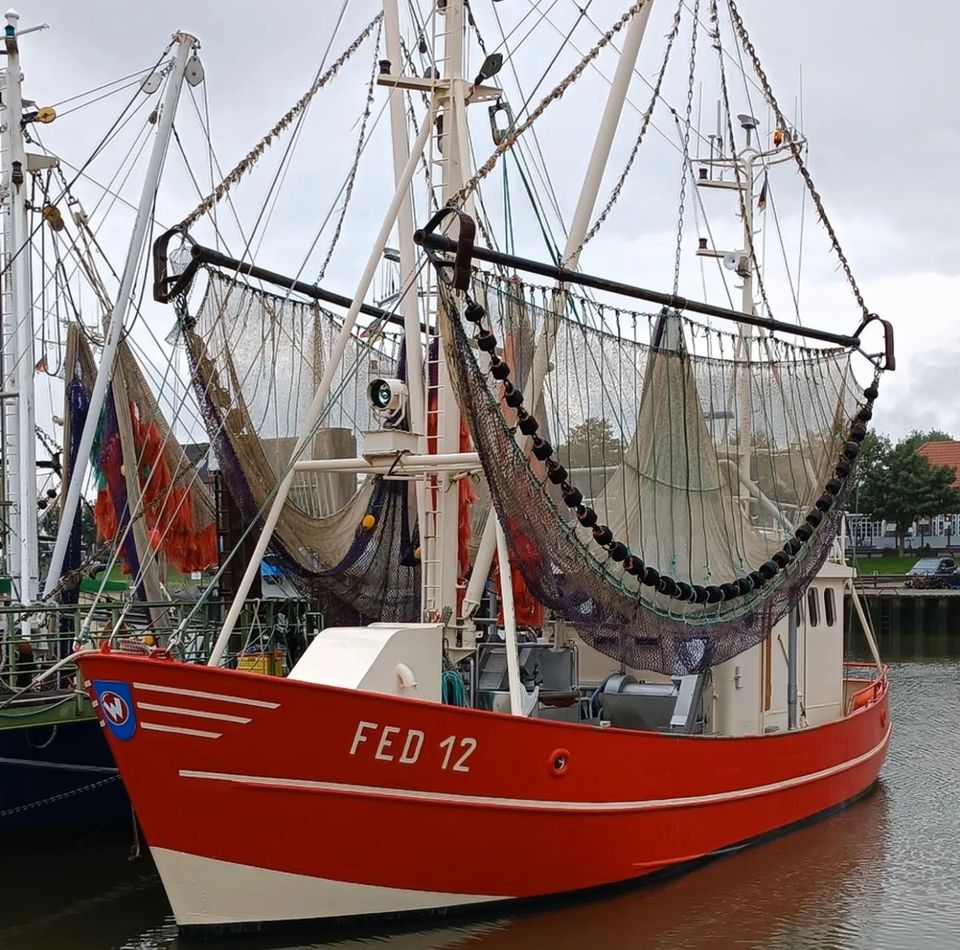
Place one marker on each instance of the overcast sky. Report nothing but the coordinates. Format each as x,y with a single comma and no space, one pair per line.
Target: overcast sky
879,107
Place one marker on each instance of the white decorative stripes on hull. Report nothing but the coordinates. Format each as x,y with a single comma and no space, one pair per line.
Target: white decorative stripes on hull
208,892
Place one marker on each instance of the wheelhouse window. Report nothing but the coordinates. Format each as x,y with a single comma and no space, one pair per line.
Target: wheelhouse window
813,606
829,607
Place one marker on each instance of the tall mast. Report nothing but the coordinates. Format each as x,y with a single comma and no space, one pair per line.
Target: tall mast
742,163
185,43
440,511
19,435
409,286
745,408
441,541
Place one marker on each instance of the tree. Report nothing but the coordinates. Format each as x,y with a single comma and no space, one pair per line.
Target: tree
896,484
591,444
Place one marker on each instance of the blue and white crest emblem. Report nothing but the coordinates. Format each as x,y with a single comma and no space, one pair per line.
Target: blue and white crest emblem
116,707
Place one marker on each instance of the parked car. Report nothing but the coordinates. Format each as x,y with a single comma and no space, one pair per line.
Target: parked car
933,572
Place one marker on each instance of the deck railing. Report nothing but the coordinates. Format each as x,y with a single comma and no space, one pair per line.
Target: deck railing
269,637
872,678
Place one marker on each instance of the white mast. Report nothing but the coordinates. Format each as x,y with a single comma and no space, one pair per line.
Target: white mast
185,43
745,407
440,544
19,436
409,286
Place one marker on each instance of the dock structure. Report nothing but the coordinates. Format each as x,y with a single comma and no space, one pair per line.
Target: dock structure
898,611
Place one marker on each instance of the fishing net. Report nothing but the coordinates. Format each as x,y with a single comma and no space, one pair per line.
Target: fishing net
257,359
176,506
689,492
79,373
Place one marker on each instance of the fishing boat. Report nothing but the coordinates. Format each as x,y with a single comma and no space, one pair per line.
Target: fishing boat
635,660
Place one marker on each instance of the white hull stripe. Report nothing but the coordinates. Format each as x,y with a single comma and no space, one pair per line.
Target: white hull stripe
200,694
197,733
532,805
199,713
206,891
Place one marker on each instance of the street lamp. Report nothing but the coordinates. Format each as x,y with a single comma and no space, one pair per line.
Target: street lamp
922,522
948,529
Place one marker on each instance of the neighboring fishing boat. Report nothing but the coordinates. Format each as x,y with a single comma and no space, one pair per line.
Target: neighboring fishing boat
56,773
653,675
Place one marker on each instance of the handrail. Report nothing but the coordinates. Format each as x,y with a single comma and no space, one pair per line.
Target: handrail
876,682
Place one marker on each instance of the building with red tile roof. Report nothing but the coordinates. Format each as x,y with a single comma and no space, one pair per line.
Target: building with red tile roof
943,454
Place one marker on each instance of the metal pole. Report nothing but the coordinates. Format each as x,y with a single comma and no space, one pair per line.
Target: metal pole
616,97
413,345
185,43
323,390
745,401
440,541
865,623
586,203
401,464
509,621
792,669
207,255
21,475
438,242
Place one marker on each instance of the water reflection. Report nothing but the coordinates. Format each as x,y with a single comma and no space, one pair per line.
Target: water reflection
808,883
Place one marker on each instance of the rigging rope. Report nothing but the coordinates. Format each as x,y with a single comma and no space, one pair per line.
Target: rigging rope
715,18
644,124
361,141
251,158
510,139
685,140
748,48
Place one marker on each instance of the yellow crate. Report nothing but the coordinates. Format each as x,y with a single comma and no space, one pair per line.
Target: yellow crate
270,664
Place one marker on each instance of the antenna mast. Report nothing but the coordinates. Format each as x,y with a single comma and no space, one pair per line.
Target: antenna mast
19,515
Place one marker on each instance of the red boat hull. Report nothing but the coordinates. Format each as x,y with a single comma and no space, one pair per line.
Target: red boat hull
266,799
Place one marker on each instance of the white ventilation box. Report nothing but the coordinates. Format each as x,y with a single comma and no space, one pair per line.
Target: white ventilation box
395,659
389,443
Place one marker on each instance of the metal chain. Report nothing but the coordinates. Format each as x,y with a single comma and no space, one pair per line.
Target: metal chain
748,48
571,77
686,147
48,442
715,18
352,176
644,124
251,158
19,809
476,30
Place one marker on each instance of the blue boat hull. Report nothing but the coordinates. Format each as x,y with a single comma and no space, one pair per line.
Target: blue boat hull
59,779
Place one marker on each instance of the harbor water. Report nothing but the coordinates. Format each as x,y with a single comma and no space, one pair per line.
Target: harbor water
883,874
